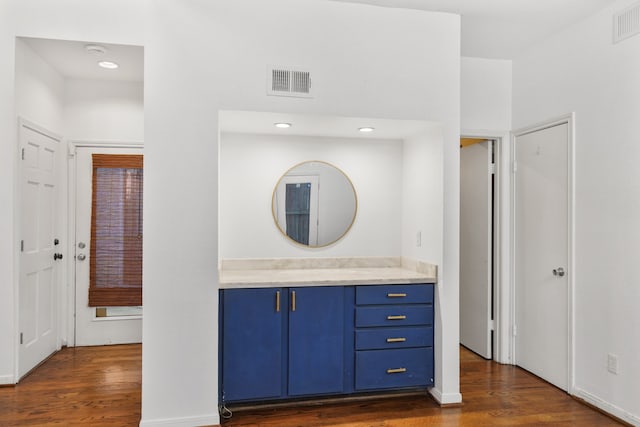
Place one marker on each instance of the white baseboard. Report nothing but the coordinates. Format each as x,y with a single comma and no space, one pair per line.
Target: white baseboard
606,406
7,379
445,398
204,420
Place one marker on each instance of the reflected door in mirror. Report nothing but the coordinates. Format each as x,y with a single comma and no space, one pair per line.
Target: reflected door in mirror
298,212
314,204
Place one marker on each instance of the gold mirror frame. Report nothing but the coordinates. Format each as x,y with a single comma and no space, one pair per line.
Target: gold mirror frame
274,204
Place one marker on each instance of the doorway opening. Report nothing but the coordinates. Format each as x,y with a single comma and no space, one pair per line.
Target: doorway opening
478,244
66,95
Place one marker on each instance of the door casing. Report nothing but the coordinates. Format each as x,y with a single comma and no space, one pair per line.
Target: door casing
502,352
568,119
70,312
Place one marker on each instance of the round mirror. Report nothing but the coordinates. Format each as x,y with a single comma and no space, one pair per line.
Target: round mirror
314,204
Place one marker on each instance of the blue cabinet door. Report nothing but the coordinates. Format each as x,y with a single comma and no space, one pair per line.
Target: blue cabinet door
316,340
252,344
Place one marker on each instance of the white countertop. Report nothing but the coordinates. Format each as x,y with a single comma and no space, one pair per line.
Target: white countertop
348,273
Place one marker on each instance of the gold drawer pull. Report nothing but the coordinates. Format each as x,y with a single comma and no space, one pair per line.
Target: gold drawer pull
293,300
396,339
396,370
396,295
278,301
396,317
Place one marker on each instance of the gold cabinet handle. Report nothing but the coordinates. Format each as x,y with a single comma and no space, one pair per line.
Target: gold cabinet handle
396,370
396,317
396,339
293,300
396,295
278,301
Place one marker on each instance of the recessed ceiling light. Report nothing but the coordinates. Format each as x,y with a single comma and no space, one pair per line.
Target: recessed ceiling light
282,125
366,129
108,64
95,49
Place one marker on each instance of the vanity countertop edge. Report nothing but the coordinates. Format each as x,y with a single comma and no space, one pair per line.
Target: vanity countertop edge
267,273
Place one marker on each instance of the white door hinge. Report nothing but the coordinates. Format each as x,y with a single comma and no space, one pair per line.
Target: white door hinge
514,166
515,330
492,169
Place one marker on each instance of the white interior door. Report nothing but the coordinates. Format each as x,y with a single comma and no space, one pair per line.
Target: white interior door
281,203
124,325
541,253
476,248
39,257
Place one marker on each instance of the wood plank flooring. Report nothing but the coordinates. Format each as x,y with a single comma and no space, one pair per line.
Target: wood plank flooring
83,386
100,386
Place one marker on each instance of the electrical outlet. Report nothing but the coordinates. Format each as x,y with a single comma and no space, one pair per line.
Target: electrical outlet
419,238
612,363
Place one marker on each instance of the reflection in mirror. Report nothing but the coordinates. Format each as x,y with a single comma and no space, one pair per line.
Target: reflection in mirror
314,204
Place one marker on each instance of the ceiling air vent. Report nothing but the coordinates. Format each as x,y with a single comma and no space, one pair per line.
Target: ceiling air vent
626,23
289,81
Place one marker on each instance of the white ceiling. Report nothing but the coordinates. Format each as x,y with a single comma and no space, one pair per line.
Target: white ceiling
490,29
500,29
71,59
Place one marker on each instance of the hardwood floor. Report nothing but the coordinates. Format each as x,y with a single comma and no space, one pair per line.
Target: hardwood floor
100,386
493,394
87,386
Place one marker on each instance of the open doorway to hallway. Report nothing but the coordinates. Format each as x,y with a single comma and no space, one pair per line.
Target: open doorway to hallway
477,244
65,95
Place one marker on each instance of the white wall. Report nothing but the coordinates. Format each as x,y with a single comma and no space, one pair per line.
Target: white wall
351,66
422,193
581,71
218,62
251,165
103,110
485,95
8,168
39,89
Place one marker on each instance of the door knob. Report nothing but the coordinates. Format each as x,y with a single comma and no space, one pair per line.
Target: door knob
57,257
82,257
559,272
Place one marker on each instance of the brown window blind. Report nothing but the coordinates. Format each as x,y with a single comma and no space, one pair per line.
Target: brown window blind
115,277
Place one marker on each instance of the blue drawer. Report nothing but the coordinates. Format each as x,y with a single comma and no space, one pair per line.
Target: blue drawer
386,338
381,369
394,294
394,315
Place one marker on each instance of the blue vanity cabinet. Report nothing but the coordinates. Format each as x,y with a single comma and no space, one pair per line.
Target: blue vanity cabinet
252,339
312,341
316,340
282,342
393,337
